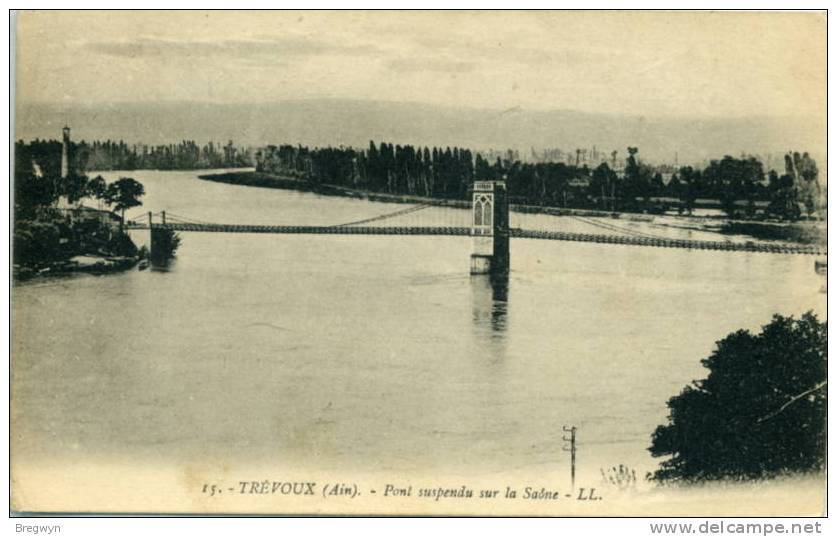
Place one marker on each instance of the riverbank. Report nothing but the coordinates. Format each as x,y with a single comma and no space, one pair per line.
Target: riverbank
265,180
90,264
799,232
55,242
97,170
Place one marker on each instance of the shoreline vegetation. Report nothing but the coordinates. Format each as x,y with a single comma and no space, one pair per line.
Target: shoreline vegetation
740,188
803,232
54,231
62,241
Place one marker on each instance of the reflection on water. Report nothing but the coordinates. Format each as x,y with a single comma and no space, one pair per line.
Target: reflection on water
490,301
163,264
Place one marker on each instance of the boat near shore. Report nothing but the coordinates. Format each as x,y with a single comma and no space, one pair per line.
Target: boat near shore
821,266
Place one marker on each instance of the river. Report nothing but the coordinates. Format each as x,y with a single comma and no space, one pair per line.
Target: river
374,354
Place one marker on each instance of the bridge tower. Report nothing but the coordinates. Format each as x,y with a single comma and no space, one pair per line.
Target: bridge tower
490,228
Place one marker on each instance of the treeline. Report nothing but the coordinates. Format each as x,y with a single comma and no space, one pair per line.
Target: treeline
436,172
117,155
739,185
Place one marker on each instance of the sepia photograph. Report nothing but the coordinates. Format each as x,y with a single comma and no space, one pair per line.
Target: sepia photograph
440,263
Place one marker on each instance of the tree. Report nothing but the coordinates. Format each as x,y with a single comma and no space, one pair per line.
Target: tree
735,179
783,198
32,192
602,184
674,188
124,194
74,186
96,188
165,242
808,187
690,182
658,186
637,183
760,412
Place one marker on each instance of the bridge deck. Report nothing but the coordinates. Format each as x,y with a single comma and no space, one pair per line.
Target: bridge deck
313,230
516,233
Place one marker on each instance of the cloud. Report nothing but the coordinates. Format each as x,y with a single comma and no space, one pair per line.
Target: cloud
417,65
499,50
244,49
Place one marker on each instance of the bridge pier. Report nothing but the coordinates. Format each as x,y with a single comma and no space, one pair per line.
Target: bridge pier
160,240
490,228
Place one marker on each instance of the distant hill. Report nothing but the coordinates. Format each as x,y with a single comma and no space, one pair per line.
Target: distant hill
346,122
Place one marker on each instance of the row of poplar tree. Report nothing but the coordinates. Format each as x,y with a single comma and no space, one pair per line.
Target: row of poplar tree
737,183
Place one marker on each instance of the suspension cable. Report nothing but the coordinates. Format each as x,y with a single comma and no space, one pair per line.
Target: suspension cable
387,215
611,227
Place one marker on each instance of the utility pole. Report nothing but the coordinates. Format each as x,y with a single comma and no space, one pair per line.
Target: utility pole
571,449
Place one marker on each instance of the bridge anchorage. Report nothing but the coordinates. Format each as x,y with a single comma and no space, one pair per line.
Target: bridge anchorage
490,228
162,240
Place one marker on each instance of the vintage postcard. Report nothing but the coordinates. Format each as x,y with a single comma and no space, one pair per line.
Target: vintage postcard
552,263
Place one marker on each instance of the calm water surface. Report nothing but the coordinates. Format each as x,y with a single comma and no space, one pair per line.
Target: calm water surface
369,352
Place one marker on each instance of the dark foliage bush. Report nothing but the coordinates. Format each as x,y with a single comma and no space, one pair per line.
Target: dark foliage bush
165,242
37,242
761,411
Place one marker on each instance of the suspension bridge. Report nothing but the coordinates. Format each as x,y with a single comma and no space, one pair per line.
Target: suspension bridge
481,222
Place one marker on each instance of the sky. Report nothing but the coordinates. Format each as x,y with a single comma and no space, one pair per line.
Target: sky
731,64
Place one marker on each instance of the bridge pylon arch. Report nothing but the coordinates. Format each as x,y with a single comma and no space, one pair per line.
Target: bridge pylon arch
490,228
